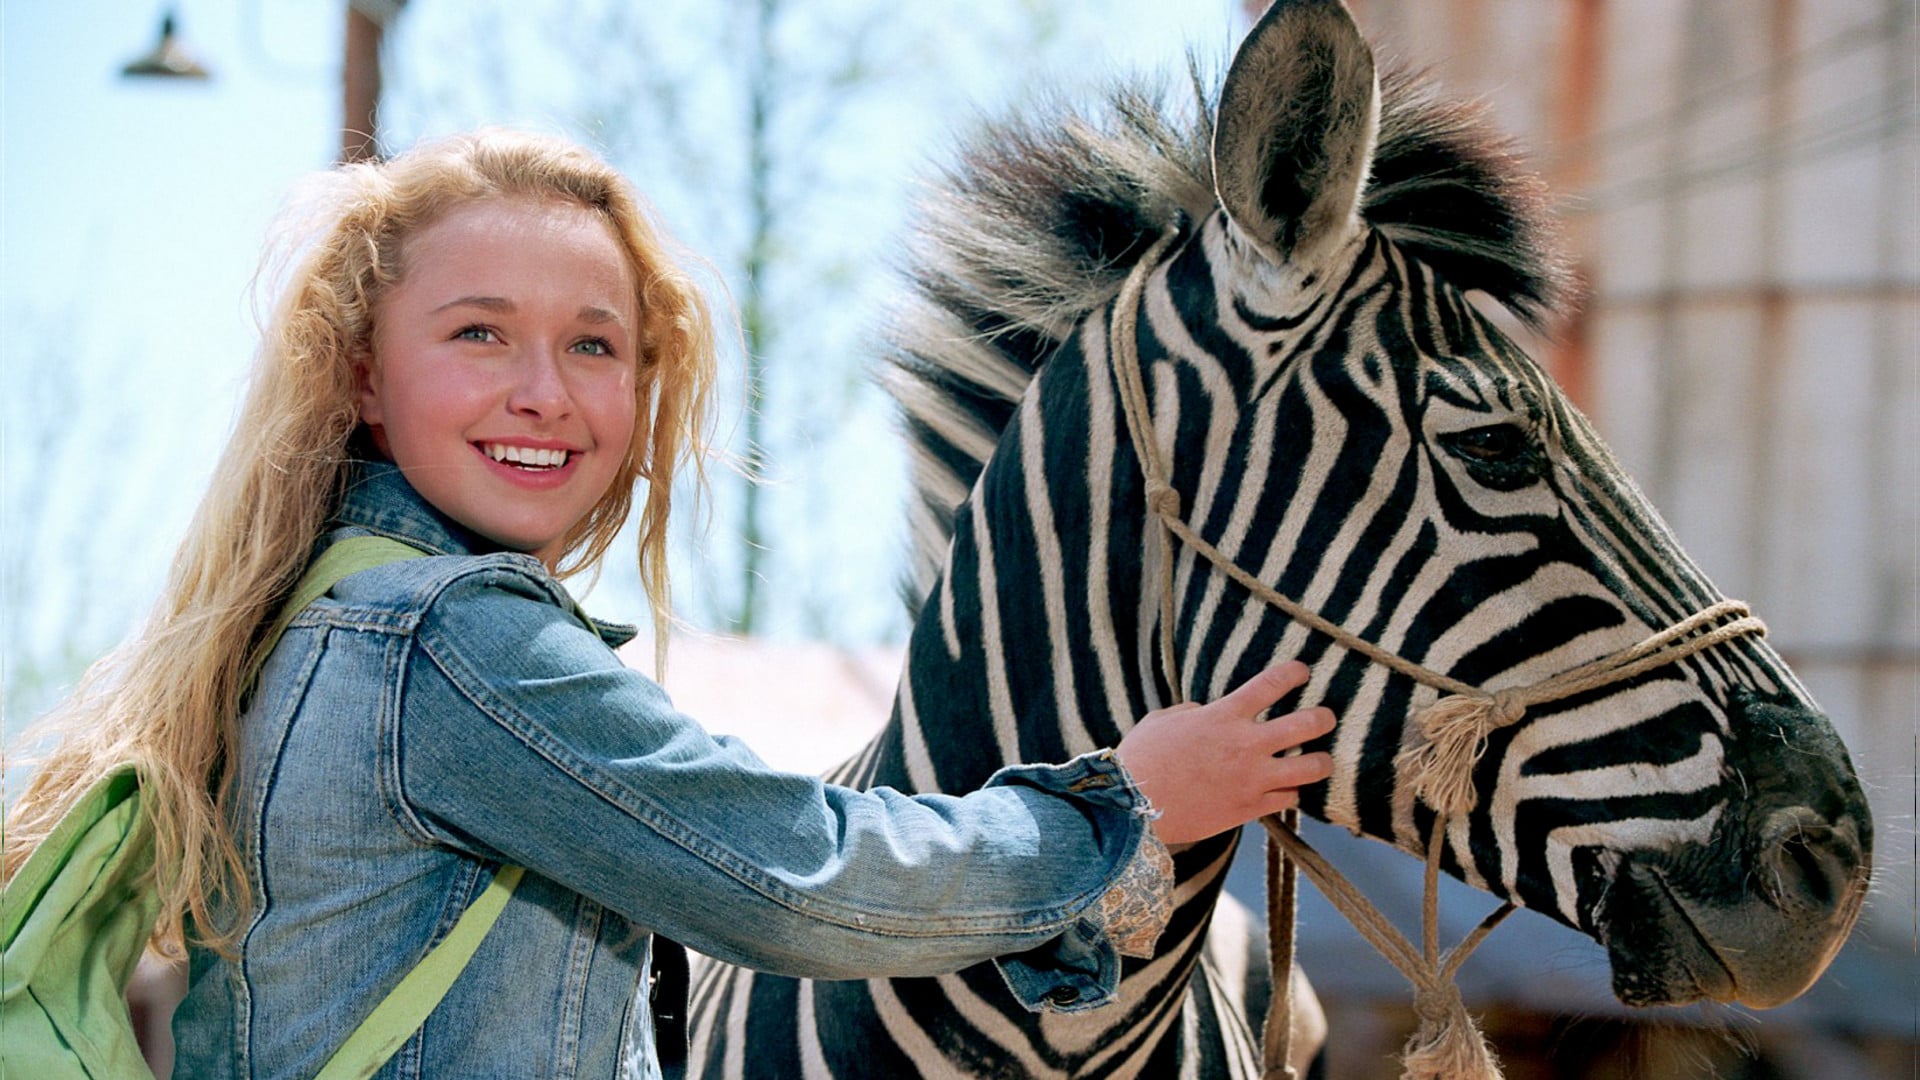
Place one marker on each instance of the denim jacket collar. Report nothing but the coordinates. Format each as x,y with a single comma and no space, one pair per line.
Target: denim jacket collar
379,500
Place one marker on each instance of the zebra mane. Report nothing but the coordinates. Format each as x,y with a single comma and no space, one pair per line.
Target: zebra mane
1037,223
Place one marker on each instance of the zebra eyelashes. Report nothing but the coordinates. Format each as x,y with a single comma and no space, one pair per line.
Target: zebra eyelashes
1496,442
1504,457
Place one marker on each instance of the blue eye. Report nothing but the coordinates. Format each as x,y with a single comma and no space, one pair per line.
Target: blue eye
474,333
594,347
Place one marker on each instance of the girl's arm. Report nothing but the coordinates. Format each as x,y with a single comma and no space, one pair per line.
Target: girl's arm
523,738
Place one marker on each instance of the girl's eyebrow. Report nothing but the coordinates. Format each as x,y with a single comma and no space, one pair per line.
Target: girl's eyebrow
488,303
589,314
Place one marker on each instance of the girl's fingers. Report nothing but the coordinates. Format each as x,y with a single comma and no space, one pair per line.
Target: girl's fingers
1209,768
1278,802
1258,693
1300,770
1295,728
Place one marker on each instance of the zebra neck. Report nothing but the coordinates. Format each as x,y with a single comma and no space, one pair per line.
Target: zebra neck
1036,644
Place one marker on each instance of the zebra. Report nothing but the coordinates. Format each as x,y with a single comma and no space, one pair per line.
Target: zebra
1340,419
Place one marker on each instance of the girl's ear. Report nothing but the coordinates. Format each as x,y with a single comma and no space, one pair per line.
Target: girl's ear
366,387
372,415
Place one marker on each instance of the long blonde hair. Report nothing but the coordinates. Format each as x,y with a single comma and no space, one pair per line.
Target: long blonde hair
168,699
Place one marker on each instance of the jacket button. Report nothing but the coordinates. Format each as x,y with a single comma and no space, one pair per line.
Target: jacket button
1063,995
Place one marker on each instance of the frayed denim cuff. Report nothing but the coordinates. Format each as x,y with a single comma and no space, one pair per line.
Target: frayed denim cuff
1080,969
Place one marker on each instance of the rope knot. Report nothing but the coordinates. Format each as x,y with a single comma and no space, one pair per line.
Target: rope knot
1447,1045
1454,736
1163,500
1437,1002
1509,706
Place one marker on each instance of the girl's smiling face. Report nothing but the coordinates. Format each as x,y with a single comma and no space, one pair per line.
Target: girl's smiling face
504,360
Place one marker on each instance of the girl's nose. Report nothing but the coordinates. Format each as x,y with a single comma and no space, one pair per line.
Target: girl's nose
541,389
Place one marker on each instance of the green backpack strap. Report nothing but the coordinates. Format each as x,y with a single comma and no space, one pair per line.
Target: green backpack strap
408,1004
340,561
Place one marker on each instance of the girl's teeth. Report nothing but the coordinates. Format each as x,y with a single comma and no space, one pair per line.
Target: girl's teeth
526,457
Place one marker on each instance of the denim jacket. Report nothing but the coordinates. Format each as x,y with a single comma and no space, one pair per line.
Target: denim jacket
434,718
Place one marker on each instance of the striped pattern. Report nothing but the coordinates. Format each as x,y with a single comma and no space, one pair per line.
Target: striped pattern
1328,430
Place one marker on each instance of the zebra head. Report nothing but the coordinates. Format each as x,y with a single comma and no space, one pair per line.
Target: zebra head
1339,420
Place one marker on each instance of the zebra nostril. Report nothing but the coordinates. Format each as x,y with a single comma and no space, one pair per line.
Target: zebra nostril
1807,863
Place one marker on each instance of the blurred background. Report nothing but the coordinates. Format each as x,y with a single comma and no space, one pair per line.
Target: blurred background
1737,181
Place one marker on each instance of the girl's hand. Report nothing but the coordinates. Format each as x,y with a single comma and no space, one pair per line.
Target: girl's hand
1210,768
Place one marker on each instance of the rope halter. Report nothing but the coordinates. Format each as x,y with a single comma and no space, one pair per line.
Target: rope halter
1452,737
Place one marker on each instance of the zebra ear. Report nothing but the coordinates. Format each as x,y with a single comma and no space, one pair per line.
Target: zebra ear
1295,130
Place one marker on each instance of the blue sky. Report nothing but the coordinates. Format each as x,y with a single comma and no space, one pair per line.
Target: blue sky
138,206
131,215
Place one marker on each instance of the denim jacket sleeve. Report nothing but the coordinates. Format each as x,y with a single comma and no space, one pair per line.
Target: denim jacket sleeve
522,737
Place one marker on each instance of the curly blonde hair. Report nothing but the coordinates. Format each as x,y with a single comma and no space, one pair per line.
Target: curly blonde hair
169,698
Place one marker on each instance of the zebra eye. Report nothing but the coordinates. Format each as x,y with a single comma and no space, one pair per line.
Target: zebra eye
1504,457
1498,442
